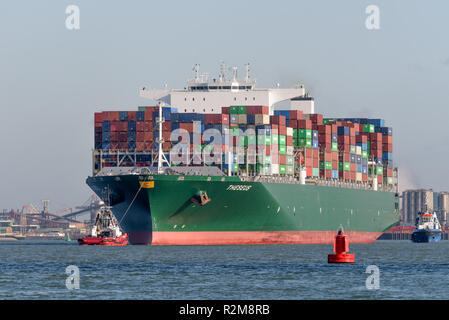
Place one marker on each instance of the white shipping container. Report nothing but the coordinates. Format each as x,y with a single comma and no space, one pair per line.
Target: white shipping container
274,169
358,176
289,131
358,150
290,150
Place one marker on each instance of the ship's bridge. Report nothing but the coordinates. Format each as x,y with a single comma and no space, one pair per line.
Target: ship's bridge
204,96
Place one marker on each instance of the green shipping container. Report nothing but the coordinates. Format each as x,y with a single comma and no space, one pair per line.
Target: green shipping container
243,141
282,140
328,165
241,109
282,149
305,133
234,110
267,140
380,170
282,169
365,154
234,131
315,172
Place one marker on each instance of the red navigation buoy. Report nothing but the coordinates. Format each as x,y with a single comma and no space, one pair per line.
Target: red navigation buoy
341,247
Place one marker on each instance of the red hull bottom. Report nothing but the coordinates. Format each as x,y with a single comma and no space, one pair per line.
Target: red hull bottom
246,237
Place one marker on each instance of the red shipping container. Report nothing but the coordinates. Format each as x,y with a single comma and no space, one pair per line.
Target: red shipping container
148,126
387,139
132,115
325,130
123,145
335,156
294,124
267,150
305,124
364,177
327,146
309,152
316,163
283,130
148,136
166,126
140,126
140,146
316,154
334,165
279,120
225,110
334,128
289,141
98,117
353,167
375,136
362,138
317,118
296,115
224,119
309,171
324,138
387,147
343,139
140,136
186,126
282,159
352,141
148,116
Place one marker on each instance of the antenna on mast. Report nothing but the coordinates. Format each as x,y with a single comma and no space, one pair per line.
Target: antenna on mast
247,72
234,74
222,76
196,69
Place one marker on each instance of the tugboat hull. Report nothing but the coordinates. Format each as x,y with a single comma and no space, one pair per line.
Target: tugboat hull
426,236
104,241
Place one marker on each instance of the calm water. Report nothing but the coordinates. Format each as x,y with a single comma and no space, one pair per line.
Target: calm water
36,270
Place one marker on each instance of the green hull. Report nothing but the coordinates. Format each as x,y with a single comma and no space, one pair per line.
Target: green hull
166,210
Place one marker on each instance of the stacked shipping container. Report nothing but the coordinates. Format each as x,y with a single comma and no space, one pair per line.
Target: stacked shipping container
343,149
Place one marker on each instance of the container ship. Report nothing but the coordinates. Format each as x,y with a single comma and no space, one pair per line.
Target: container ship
223,162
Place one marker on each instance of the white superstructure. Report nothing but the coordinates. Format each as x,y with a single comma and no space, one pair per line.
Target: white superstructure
204,96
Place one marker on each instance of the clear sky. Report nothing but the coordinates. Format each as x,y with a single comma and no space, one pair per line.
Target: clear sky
53,79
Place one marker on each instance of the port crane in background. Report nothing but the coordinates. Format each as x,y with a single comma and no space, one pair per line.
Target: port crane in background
92,205
44,218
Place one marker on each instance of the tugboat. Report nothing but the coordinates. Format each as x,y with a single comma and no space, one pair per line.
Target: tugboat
105,231
428,228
